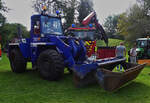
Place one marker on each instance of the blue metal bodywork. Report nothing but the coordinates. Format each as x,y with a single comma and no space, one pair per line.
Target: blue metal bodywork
47,33
72,50
31,50
89,66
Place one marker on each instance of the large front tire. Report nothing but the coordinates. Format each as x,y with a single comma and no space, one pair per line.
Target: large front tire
17,61
51,65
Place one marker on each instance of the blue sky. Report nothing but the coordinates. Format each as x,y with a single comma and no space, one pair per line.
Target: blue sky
21,10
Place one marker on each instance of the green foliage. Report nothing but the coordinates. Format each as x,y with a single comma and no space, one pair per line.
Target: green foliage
134,24
70,10
2,20
10,31
3,8
30,88
145,5
112,42
123,24
111,24
84,9
67,8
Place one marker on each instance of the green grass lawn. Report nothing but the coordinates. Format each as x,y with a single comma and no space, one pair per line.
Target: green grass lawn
30,88
112,42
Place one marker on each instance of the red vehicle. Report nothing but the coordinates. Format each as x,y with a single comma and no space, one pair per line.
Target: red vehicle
89,34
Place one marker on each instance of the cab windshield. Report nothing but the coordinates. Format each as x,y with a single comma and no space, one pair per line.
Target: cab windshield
141,43
51,25
85,35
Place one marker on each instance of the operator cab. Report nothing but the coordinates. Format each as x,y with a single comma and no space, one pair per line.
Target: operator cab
142,42
44,25
143,48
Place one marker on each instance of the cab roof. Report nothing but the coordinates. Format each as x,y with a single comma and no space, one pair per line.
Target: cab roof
38,15
143,39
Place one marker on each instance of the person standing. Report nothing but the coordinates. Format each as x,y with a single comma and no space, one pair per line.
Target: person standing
133,54
120,53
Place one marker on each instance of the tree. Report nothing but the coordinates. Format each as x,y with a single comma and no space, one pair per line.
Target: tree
67,8
111,24
123,24
52,5
145,5
134,24
3,8
70,13
10,31
85,7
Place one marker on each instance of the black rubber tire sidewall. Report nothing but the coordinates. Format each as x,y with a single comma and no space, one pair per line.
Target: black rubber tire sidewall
50,65
17,61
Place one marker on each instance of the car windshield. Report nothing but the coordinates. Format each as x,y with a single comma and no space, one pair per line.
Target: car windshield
51,25
142,43
85,35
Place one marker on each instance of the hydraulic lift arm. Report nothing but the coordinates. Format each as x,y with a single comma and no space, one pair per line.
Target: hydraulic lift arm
92,18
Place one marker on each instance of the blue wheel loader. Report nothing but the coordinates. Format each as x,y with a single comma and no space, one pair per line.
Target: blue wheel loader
50,51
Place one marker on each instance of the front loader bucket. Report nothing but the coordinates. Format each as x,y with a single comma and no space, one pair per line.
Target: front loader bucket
107,79
111,81
89,79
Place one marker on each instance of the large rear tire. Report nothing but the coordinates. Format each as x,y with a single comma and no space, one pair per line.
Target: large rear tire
50,65
17,61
